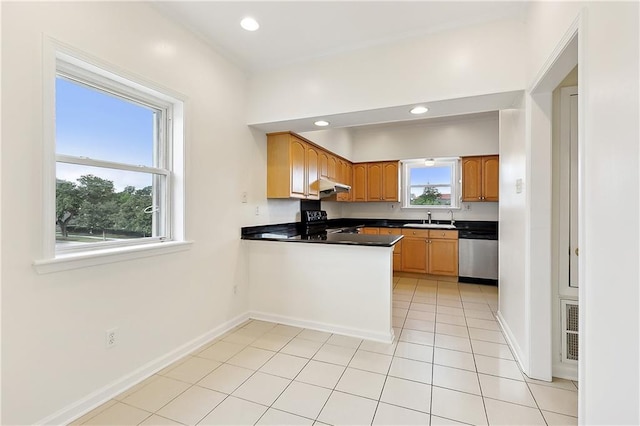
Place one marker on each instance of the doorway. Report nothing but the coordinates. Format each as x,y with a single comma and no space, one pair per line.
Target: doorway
565,228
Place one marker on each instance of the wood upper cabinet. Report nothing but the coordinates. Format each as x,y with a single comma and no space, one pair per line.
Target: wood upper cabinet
374,182
292,167
390,181
480,177
328,165
345,176
380,181
490,178
359,187
313,172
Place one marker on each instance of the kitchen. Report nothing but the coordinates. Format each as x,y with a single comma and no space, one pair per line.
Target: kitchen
458,136
169,304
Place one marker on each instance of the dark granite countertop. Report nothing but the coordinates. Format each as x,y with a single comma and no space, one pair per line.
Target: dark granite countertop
338,238
293,232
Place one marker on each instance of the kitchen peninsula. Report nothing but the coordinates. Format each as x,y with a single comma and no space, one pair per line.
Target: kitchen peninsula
337,282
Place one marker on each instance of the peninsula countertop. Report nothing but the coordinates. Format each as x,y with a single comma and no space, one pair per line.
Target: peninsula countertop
337,238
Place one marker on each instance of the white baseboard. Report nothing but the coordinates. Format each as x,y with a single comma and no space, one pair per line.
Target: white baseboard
100,396
565,371
520,357
330,328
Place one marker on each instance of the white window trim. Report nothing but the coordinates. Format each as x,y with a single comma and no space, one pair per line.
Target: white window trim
55,52
456,195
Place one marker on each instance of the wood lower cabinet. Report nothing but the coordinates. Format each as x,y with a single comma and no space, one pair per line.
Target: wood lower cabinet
414,250
443,253
430,252
480,178
397,249
370,230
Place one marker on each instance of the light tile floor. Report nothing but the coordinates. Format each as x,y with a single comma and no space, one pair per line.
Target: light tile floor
448,365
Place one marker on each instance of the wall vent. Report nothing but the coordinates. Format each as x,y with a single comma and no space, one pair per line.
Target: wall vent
569,331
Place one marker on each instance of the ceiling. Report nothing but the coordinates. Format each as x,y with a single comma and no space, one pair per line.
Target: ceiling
297,31
294,31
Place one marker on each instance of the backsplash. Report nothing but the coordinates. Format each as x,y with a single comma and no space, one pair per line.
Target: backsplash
475,211
288,210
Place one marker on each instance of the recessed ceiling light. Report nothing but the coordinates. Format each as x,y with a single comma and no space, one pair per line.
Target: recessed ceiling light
419,110
321,123
249,24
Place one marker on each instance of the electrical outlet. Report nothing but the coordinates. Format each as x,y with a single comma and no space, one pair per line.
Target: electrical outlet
110,337
244,197
235,289
257,210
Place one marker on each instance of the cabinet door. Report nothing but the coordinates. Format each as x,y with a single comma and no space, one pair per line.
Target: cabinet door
298,152
374,182
490,178
414,254
443,257
397,261
390,181
313,188
359,187
344,176
323,164
371,231
472,179
332,163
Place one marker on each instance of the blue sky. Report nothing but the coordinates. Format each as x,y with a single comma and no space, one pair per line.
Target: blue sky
97,125
430,175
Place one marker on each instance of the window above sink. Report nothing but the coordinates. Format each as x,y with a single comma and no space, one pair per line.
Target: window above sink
431,183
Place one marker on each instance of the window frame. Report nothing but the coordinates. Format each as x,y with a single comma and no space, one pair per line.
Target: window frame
63,59
418,163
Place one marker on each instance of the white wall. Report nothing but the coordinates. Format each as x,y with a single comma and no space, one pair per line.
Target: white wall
609,373
513,219
442,137
481,59
53,325
338,141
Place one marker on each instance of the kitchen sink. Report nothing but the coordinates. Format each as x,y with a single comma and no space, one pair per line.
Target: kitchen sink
429,225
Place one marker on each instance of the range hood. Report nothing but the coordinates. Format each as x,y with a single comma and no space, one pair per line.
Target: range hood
329,187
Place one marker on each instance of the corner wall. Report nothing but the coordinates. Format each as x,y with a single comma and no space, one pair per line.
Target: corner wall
608,68
53,352
512,231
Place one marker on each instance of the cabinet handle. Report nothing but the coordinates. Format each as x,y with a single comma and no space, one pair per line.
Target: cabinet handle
414,232
443,234
479,198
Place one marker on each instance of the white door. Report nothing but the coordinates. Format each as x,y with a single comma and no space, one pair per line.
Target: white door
569,281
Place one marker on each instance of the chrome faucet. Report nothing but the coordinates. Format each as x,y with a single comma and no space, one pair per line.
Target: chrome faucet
452,221
429,216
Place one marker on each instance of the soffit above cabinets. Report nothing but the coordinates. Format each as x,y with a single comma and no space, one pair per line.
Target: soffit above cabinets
400,114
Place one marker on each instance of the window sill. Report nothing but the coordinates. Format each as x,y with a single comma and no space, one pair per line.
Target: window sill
112,255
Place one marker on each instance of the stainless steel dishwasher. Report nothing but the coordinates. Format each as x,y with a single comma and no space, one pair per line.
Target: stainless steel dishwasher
478,255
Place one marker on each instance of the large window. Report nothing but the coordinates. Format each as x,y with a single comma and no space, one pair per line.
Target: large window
431,183
114,168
